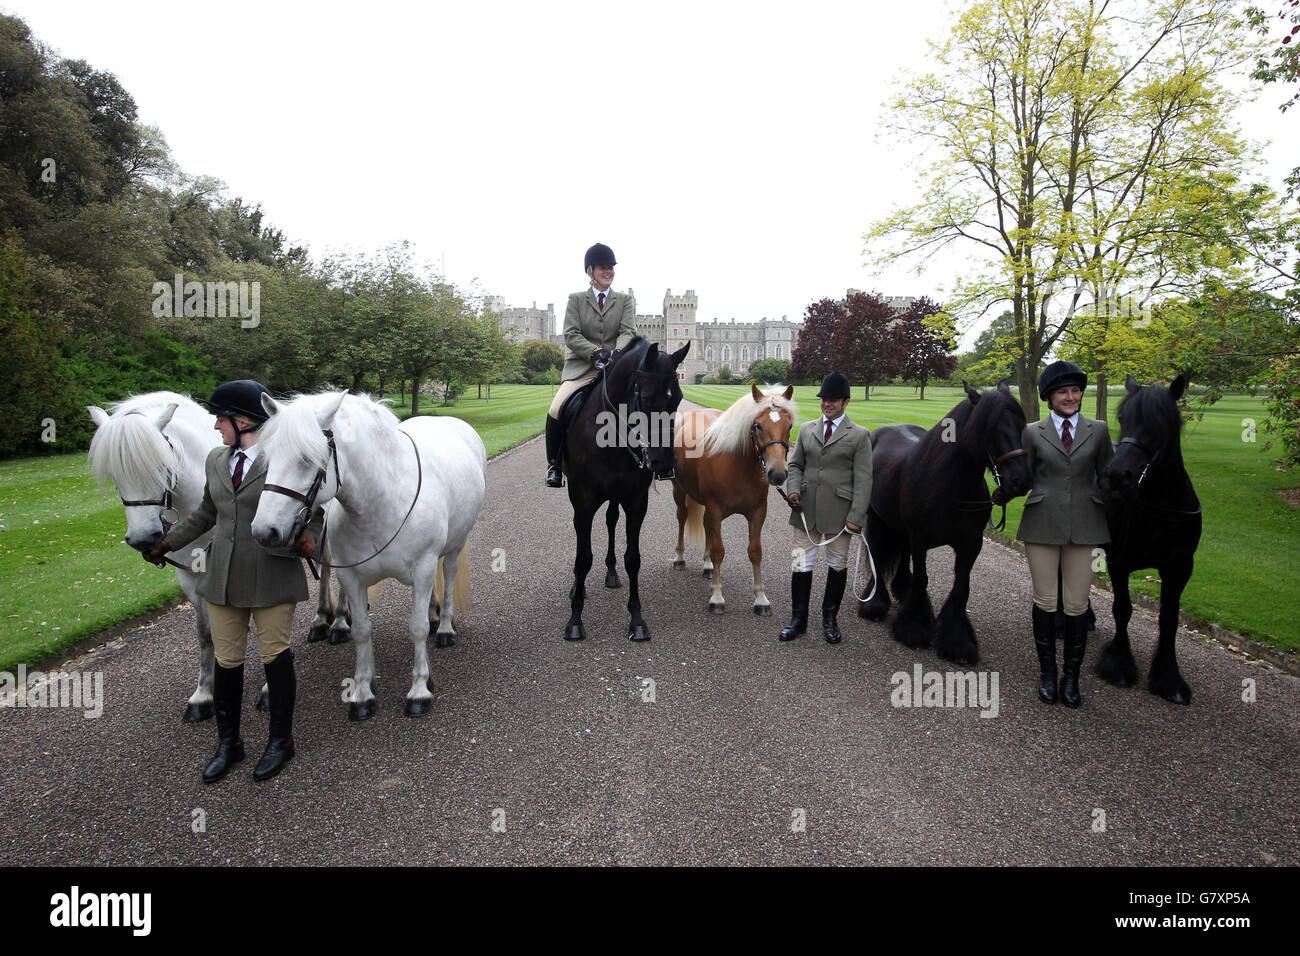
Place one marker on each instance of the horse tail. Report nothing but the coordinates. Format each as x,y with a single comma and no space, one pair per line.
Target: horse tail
695,523
460,586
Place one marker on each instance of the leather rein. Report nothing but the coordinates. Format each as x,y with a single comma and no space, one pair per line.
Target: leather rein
309,502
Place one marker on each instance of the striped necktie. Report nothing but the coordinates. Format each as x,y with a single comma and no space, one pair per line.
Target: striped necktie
600,299
1066,438
829,428
238,476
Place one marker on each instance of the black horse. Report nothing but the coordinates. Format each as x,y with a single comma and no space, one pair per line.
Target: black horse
928,490
621,439
1155,522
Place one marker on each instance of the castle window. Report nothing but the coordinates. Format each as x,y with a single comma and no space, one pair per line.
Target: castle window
744,354
708,354
726,353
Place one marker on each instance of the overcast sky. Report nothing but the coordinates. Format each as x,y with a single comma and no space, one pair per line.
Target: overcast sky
729,148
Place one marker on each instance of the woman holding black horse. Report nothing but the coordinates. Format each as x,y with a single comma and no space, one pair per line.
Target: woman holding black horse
598,324
1063,522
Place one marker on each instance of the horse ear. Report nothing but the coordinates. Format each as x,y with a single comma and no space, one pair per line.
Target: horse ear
789,392
166,416
331,408
1131,384
1178,386
753,390
97,415
651,355
1003,387
971,391
269,404
681,353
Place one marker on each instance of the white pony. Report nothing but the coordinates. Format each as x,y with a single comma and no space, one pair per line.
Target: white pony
153,448
400,500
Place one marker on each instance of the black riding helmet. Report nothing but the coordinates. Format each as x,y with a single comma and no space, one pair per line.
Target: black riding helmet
1060,375
598,255
834,386
240,397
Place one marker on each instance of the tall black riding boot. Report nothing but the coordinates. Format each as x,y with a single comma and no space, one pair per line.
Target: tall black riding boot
1076,637
800,592
835,581
282,686
554,434
1045,644
227,700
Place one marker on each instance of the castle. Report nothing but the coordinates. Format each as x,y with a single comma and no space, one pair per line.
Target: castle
713,344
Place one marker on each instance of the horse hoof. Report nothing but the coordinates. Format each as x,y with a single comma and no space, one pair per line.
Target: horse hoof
197,713
717,608
708,574
361,711
417,706
679,565
575,632
264,701
611,579
638,632
318,632
873,612
446,640
339,637
1174,690
763,610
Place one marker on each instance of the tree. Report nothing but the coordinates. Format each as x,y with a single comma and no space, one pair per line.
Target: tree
811,358
868,344
539,355
928,338
28,394
1082,147
770,371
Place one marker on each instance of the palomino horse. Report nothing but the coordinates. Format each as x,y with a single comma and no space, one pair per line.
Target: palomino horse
1155,522
928,490
620,440
727,471
153,448
399,499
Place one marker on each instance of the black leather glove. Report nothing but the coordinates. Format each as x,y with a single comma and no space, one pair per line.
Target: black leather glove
601,355
155,554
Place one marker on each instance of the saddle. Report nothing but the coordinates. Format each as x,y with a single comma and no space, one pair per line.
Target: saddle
569,411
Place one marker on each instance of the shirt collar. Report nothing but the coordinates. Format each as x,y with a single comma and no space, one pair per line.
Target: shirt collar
1074,422
834,422
249,454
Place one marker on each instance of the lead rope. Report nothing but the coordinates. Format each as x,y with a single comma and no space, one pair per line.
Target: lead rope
857,564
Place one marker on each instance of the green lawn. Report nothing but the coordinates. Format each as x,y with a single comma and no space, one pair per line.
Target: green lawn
65,573
1246,577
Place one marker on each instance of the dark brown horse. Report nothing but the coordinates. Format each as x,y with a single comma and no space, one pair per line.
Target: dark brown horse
725,462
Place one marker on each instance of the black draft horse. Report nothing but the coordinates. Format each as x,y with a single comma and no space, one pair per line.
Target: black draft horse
621,438
1155,522
928,490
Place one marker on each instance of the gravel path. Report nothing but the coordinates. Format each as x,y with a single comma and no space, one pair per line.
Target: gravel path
753,751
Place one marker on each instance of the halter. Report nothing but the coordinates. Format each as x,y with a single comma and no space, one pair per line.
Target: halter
1151,460
998,496
166,502
640,454
762,461
309,501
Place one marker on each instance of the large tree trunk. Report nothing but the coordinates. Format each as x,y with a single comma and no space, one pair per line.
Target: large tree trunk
922,389
415,395
356,381
866,393
1101,396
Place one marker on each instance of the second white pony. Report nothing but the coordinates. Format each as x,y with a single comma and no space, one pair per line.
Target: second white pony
400,500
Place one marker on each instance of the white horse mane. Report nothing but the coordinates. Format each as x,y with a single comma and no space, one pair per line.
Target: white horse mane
730,432
295,430
130,450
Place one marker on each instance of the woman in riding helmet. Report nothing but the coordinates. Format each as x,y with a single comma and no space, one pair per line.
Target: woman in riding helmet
1063,522
598,324
241,580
